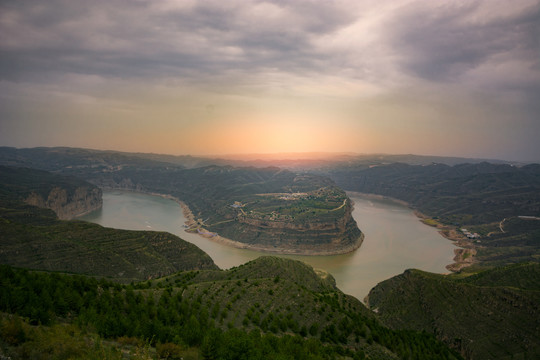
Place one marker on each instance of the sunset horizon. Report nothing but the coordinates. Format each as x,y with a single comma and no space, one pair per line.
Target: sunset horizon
205,78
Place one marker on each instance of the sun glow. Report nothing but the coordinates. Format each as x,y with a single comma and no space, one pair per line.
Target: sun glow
267,134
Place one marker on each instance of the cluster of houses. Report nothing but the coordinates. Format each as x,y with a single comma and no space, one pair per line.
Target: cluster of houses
237,204
470,235
293,196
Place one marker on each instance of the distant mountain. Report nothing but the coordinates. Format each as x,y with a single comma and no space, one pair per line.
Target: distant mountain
74,160
466,193
490,315
54,156
329,161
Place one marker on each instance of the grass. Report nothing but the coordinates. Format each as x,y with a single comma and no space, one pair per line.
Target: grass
430,222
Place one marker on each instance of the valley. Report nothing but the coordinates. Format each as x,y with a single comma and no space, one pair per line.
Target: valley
395,239
193,309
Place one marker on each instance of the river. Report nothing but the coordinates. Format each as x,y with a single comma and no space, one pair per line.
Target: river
395,239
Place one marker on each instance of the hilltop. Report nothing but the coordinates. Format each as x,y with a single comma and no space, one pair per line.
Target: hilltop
493,314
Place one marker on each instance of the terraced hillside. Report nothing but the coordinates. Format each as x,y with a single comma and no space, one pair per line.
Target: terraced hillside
466,193
266,309
35,238
494,314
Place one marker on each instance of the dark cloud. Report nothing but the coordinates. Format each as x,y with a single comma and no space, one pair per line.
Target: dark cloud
138,39
442,42
203,40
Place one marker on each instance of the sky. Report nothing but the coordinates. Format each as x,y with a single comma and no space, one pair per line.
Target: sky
455,78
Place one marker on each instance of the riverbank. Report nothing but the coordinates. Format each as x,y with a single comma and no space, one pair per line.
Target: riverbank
464,256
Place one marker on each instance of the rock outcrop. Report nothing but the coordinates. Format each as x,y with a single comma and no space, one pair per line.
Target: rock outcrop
68,204
317,237
67,196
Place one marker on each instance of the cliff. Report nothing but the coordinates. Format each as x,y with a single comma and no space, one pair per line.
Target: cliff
311,236
68,205
67,196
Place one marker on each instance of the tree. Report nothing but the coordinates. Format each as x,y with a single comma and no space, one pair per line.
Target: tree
210,345
192,331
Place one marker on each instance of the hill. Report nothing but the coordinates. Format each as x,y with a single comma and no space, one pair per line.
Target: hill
465,194
269,208
35,238
490,315
262,309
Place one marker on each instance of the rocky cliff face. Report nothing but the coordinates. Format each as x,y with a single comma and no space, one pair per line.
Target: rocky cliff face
338,225
337,236
68,205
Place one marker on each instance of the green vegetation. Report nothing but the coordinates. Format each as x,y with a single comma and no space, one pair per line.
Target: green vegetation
430,222
18,183
208,314
269,308
520,241
464,194
489,315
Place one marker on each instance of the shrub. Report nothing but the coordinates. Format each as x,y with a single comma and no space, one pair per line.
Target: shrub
11,330
169,351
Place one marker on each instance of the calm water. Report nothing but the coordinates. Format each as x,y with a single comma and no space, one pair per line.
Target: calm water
395,239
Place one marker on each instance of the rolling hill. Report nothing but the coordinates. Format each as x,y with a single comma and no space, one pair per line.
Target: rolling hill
493,314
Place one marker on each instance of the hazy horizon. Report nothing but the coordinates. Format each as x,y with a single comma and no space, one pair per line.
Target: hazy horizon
213,78
303,158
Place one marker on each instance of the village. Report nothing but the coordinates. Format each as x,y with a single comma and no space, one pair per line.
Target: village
470,235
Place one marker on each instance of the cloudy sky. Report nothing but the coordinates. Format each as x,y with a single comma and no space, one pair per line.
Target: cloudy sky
220,77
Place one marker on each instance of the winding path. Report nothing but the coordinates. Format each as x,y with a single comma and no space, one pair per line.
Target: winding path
501,225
